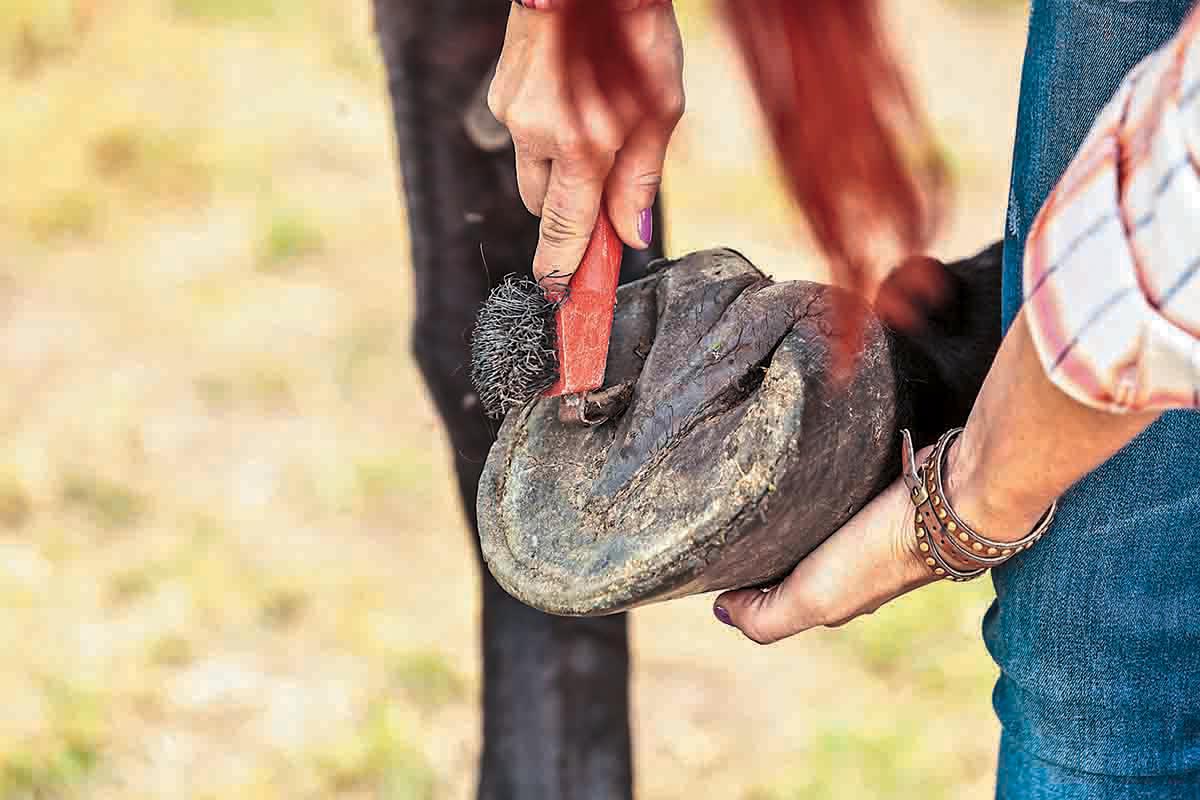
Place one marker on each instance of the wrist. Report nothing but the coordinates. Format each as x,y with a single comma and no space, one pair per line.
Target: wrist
940,522
985,502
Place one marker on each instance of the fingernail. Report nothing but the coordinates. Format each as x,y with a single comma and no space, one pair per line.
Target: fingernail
723,615
645,225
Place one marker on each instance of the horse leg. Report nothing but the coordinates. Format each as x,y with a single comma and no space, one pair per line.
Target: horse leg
555,695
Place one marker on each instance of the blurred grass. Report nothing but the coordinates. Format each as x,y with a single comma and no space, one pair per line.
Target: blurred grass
925,653
225,498
226,11
289,237
70,746
378,755
106,503
428,679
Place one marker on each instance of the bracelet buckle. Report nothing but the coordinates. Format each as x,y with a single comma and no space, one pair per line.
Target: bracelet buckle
938,527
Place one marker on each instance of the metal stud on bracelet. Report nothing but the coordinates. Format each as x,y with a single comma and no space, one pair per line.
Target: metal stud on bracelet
931,549
940,530
970,544
931,534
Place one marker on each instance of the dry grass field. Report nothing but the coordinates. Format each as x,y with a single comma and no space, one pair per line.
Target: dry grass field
231,560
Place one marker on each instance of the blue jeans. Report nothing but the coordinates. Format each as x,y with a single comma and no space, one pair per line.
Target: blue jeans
1097,630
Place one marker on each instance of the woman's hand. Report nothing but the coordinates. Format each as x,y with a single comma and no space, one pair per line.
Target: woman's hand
871,560
574,143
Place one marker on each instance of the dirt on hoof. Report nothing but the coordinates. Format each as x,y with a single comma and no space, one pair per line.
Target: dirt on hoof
720,453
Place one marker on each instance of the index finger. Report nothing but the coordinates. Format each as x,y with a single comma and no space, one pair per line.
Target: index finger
569,213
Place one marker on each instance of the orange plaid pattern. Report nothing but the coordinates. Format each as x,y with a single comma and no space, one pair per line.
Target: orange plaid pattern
1112,264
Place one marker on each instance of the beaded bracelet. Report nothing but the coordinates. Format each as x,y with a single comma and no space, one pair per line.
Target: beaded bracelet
940,530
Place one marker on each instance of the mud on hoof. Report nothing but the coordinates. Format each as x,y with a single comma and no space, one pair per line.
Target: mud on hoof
726,452
730,427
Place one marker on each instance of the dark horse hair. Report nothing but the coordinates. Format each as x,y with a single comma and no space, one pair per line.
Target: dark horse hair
854,150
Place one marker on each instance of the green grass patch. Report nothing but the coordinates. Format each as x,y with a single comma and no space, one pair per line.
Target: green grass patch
267,387
44,772
931,636
270,388
919,627
215,392
289,237
377,757
130,585
172,650
137,581
207,531
378,479
354,59
56,763
387,483
231,11
71,214
161,168
222,582
428,679
106,503
851,762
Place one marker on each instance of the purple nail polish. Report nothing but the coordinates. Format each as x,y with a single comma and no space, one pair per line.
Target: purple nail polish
645,225
723,615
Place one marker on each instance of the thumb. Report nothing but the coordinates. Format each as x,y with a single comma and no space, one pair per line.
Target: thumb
634,182
869,561
568,216
767,616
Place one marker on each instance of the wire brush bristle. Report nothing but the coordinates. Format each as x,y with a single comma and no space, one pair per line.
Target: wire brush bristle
513,357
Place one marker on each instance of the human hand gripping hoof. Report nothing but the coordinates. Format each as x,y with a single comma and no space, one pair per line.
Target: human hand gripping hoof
868,562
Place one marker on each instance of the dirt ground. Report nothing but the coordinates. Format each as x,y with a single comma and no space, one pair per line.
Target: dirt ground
232,563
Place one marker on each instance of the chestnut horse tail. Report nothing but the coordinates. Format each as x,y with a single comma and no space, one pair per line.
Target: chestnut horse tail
856,154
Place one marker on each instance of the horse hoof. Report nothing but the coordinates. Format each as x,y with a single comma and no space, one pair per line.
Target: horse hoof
734,456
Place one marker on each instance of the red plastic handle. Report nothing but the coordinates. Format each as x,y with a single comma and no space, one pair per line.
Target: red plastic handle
585,319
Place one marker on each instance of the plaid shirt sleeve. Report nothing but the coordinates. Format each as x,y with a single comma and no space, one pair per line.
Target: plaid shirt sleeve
1112,264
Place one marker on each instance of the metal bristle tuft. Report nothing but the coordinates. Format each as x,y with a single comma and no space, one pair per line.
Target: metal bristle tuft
513,358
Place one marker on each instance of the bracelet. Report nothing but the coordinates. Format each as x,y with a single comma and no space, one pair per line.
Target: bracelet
940,530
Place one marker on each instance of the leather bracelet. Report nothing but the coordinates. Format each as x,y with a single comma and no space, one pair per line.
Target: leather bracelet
941,531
